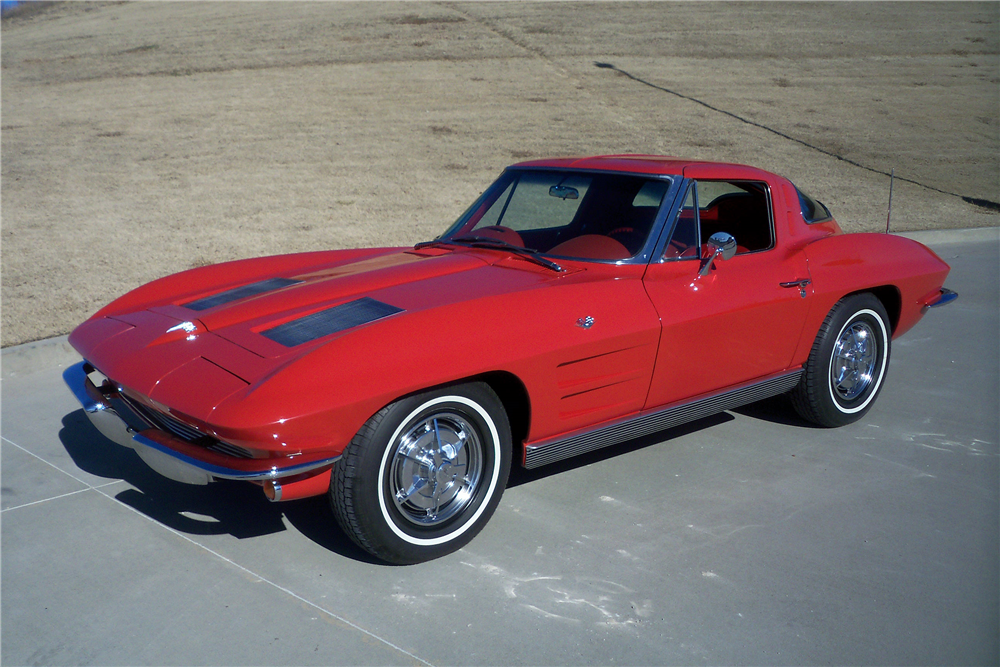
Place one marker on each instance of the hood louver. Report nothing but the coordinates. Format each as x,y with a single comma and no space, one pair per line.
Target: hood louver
329,321
252,289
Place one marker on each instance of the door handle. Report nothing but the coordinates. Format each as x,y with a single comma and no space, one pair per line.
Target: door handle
801,284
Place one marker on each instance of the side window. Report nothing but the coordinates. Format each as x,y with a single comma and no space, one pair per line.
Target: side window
739,208
684,241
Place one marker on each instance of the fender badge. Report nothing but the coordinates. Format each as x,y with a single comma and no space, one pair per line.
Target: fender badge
585,322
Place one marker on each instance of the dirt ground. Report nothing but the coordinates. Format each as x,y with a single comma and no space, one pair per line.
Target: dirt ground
140,139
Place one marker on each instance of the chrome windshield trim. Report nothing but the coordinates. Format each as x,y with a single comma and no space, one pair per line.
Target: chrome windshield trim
656,229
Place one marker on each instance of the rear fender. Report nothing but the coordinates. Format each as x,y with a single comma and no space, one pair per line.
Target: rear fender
899,271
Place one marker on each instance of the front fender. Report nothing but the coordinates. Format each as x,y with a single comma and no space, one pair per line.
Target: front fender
570,373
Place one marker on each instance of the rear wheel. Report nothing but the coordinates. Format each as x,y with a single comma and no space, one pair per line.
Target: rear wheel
424,474
847,363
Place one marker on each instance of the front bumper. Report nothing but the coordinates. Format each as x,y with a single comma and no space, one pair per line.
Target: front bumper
168,454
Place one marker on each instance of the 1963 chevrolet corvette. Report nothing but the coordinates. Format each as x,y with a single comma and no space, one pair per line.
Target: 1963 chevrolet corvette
577,304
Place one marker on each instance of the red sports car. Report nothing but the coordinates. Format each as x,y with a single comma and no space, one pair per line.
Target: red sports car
579,303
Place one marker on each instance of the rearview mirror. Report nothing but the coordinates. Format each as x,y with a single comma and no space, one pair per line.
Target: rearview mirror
564,192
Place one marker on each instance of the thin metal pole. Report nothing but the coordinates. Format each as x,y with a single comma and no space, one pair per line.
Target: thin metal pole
888,216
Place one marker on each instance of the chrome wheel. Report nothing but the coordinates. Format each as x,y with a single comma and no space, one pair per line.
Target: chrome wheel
855,357
847,364
436,469
424,474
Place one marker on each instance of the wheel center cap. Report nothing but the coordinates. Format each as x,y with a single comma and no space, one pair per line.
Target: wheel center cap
443,475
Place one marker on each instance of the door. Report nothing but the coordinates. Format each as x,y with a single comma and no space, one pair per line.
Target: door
741,320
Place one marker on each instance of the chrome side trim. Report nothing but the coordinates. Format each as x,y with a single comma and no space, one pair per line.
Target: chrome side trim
159,456
646,423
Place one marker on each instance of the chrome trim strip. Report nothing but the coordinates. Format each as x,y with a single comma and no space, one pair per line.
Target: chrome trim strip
164,460
655,230
646,423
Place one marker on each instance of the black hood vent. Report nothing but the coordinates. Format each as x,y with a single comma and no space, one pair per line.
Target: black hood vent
236,293
329,321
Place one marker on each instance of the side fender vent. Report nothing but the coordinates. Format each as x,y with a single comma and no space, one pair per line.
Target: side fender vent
253,289
330,321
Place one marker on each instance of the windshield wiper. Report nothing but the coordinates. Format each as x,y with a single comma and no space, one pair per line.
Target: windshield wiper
495,244
429,244
498,244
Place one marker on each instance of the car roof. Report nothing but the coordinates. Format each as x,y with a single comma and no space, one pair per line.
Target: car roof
644,164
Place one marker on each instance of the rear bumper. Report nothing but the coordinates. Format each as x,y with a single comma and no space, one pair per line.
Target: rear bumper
940,298
167,454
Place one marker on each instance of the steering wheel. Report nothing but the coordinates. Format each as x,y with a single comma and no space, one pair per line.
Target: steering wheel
501,233
626,236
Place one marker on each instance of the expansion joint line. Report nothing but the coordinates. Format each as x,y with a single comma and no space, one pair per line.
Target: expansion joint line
982,203
100,489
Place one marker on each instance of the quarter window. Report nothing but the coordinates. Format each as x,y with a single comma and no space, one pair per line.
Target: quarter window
813,211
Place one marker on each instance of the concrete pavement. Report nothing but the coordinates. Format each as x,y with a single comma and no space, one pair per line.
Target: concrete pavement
746,538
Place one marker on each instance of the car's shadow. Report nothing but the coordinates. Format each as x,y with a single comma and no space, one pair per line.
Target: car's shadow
241,510
777,410
520,475
223,507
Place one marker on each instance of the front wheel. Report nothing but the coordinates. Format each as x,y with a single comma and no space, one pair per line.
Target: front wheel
424,474
847,363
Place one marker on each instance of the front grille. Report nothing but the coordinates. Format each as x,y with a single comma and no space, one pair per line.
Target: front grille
167,423
230,450
174,426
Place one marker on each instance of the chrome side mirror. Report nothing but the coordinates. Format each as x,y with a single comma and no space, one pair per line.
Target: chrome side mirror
721,246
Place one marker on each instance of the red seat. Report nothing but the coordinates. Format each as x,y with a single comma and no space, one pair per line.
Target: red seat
500,233
591,246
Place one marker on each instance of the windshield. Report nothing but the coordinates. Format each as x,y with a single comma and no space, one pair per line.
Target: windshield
576,215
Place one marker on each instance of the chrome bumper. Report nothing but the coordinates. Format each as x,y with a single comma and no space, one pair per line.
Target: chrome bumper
163,452
943,297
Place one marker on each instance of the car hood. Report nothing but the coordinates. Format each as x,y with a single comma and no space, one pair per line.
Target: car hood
196,348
